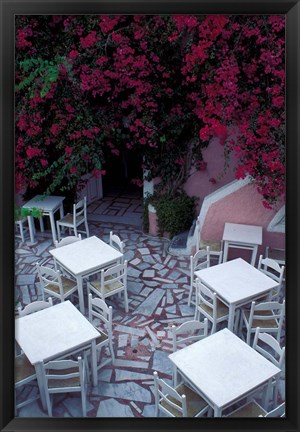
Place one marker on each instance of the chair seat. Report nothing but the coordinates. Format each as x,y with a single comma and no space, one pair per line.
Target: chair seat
222,309
251,409
23,368
68,220
109,287
101,338
269,323
68,382
194,401
67,284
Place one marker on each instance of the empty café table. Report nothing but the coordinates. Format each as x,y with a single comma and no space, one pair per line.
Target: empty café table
236,283
52,333
223,369
49,206
241,236
85,257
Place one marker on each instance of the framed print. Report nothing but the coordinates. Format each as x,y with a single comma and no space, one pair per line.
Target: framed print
149,108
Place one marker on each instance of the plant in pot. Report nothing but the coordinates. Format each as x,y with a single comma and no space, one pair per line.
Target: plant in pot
174,212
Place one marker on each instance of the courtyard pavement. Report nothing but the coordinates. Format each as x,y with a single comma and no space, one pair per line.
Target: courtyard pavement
158,286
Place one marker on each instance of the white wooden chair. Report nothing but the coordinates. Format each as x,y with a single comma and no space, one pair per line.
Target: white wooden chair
199,261
268,316
64,242
65,376
67,240
55,284
35,307
210,306
180,401
111,281
186,333
254,409
117,243
22,228
270,348
275,271
24,374
100,315
73,220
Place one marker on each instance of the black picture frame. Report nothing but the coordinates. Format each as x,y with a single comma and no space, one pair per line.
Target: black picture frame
8,11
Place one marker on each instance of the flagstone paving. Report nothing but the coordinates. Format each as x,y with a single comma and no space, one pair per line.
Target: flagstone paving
158,285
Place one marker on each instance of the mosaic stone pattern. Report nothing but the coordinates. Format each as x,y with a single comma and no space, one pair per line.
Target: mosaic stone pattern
158,286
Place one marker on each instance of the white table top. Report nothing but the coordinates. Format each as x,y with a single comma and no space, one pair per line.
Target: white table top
236,280
86,255
46,203
240,233
53,331
223,367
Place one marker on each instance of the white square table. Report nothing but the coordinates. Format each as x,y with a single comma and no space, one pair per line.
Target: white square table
223,369
236,283
241,236
53,332
49,205
85,257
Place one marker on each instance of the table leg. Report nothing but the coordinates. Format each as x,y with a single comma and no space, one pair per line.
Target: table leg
31,228
52,223
254,253
61,211
225,253
94,364
41,224
231,317
217,412
80,294
266,396
41,383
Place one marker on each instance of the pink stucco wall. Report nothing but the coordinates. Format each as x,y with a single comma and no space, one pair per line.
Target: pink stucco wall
243,206
199,183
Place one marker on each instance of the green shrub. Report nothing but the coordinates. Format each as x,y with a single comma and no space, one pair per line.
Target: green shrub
175,213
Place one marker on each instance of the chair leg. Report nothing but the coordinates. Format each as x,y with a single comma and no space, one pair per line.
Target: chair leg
83,400
190,295
58,231
126,301
112,351
87,229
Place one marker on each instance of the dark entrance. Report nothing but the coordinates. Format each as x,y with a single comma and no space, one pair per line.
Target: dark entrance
120,171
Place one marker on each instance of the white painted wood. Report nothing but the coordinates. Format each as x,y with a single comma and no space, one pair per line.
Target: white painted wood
242,237
236,282
85,257
52,332
223,368
92,189
50,205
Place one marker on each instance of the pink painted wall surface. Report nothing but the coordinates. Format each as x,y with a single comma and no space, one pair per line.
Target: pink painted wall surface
199,183
243,206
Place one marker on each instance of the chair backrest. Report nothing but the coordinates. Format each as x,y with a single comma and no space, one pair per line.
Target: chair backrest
167,399
279,411
267,310
271,268
60,374
51,276
189,331
67,240
79,211
204,296
217,254
113,275
269,347
200,260
35,307
116,242
98,310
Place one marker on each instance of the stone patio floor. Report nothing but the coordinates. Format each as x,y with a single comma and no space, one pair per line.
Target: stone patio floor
158,285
